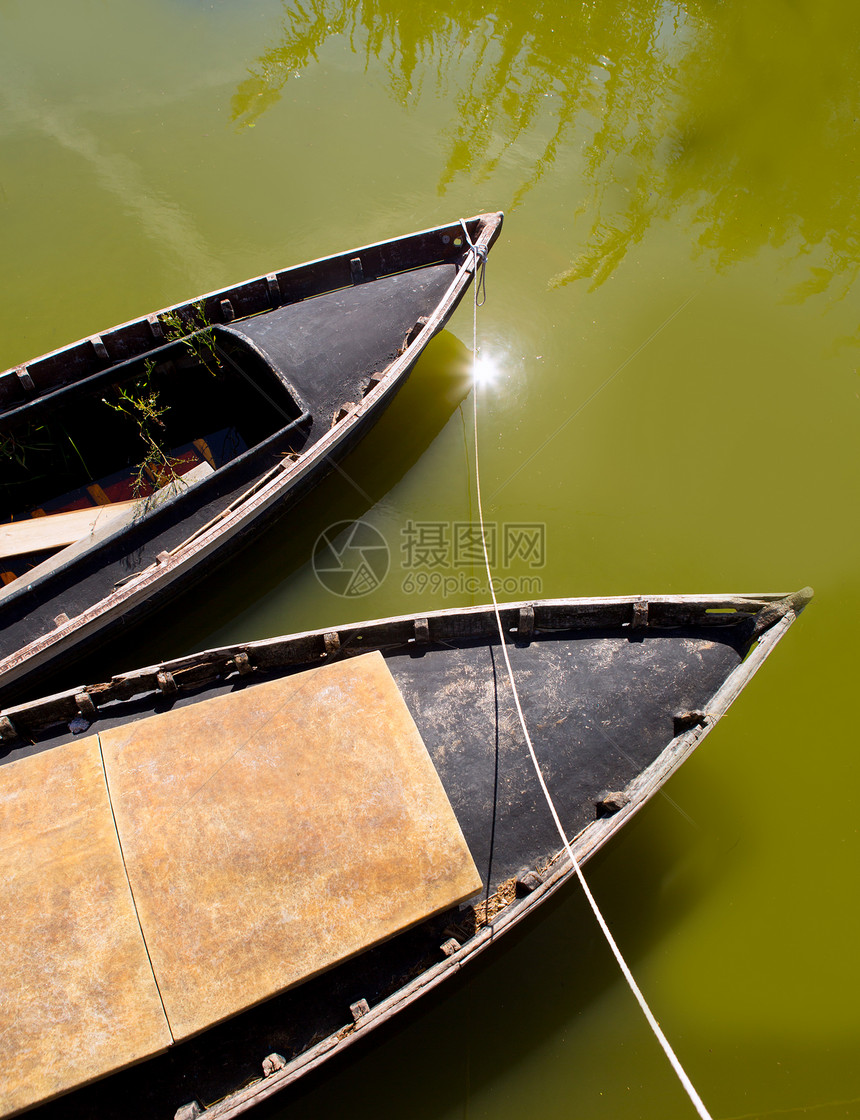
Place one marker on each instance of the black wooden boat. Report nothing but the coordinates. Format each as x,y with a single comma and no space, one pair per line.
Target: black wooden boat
135,460
231,866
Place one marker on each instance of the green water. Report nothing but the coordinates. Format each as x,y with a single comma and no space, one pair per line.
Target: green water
679,257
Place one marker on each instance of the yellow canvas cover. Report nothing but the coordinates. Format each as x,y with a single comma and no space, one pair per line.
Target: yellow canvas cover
77,995
267,834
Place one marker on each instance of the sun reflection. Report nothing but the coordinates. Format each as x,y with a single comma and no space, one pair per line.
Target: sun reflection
485,369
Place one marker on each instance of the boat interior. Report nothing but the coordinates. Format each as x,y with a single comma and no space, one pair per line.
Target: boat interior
78,460
87,454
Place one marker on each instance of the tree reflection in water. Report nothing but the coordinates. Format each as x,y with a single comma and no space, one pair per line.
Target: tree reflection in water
733,114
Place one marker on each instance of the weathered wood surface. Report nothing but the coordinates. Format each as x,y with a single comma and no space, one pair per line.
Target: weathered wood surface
265,838
38,534
58,530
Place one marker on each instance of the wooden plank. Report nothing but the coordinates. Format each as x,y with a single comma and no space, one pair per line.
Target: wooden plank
77,995
271,833
57,530
98,495
38,534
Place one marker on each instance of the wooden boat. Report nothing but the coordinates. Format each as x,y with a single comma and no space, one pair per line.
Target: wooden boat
232,866
135,460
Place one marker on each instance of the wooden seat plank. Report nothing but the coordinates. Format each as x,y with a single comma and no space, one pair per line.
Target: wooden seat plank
57,530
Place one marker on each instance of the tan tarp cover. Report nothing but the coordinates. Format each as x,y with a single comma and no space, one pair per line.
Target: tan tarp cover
267,835
77,997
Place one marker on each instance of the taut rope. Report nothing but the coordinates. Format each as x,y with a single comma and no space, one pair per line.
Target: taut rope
698,1104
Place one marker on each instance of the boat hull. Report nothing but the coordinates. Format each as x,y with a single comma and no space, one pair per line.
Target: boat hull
339,352
617,694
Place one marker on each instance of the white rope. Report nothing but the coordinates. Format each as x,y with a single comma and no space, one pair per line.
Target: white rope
601,921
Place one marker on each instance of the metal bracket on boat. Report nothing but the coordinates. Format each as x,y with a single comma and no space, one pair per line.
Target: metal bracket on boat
166,683
343,412
359,1010
188,1111
8,734
375,378
331,641
610,804
356,271
640,614
227,312
162,558
61,619
25,380
99,348
272,1063
85,706
685,721
419,326
450,947
528,880
155,326
274,289
422,631
526,623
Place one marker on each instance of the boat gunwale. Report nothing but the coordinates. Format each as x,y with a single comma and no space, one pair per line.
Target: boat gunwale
310,647
306,269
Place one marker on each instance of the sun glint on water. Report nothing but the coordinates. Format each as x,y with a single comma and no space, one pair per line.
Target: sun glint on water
486,369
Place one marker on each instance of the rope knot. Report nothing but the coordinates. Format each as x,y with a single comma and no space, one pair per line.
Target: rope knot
480,254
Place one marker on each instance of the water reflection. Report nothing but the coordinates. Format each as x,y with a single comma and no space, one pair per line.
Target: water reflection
119,176
730,118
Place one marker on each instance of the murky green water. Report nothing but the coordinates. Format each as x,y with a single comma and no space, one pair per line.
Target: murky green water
674,308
